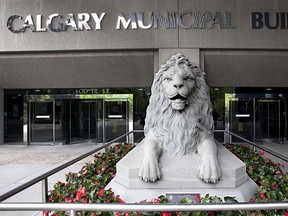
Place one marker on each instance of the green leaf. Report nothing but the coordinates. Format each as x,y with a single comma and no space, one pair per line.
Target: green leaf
228,199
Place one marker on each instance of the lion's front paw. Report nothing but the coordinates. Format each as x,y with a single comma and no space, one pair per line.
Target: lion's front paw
150,171
209,169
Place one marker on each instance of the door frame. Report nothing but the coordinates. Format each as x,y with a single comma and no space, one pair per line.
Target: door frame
52,98
281,136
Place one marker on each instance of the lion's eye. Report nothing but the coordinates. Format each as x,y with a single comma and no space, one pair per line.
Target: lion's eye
167,78
189,78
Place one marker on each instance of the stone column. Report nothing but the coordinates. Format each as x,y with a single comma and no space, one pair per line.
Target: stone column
1,116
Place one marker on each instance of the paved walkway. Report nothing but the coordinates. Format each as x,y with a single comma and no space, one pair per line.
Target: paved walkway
19,164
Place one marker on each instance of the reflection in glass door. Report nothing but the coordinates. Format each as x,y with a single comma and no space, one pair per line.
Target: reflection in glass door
259,119
85,120
41,123
270,120
116,119
241,117
64,119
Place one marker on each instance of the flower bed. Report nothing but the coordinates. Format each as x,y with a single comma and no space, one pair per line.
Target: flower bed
88,185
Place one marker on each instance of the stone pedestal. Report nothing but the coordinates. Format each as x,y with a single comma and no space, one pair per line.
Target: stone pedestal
180,175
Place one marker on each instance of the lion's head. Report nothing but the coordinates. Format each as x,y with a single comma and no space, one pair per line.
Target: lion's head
179,107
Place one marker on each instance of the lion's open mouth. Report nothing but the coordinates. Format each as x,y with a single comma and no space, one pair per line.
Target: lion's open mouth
178,97
178,102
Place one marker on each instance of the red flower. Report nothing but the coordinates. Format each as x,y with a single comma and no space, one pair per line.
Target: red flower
211,212
166,214
251,200
119,199
198,198
81,192
101,192
45,212
283,166
262,152
286,213
262,196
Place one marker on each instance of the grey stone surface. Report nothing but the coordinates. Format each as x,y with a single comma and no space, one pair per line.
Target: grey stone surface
180,175
19,164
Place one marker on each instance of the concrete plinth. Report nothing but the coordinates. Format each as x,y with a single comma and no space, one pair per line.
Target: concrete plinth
180,175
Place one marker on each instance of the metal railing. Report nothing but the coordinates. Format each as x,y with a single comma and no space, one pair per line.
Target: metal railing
44,176
255,145
74,207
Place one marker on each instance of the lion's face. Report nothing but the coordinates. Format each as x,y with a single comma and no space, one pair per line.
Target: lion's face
178,84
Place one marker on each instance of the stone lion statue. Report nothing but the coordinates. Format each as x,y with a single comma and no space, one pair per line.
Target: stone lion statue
179,120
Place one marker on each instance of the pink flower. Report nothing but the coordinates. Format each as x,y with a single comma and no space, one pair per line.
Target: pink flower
262,196
268,160
103,169
67,200
283,166
84,172
277,173
166,214
262,152
274,186
251,200
155,200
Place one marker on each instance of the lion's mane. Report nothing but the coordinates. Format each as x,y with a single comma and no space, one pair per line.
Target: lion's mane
178,131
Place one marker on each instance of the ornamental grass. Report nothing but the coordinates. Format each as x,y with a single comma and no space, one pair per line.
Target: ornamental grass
88,185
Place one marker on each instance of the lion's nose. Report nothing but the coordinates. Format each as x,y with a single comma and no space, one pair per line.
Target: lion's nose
178,82
178,86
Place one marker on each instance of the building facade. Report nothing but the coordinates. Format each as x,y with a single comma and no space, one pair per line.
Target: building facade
70,68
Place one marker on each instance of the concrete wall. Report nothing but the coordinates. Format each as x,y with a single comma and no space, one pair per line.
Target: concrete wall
246,68
78,70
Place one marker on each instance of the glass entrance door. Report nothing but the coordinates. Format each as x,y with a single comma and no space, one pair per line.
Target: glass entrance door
116,118
64,119
259,119
41,122
241,117
270,119
86,118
